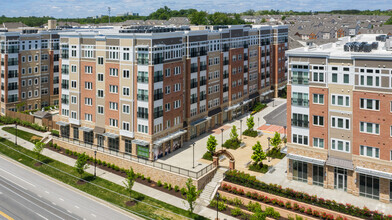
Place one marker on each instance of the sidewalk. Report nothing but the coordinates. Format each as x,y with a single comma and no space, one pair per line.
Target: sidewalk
159,195
279,176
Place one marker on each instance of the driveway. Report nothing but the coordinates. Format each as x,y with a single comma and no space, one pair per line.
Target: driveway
278,116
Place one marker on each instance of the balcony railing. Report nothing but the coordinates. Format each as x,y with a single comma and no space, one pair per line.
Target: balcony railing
225,89
225,48
225,62
245,82
300,102
142,79
300,123
142,115
12,63
203,52
158,114
64,101
193,85
142,97
193,69
203,67
300,81
64,86
157,60
203,82
246,69
202,97
12,99
158,78
193,100
141,61
246,57
158,96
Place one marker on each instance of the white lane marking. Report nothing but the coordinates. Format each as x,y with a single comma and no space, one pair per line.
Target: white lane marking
61,199
39,196
69,211
53,203
278,114
46,192
76,206
41,216
1,193
93,215
18,178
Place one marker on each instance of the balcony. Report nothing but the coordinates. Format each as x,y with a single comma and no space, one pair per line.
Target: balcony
13,50
157,60
246,69
158,78
12,75
194,54
225,48
203,52
300,81
64,86
194,69
246,57
158,96
300,102
142,97
158,114
225,88
64,71
202,97
193,85
12,99
245,82
193,100
13,63
225,62
142,79
142,61
225,75
142,115
64,101
246,45
203,67
12,87
64,54
203,82
300,123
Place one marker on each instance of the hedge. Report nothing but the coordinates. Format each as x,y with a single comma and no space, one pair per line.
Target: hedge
10,120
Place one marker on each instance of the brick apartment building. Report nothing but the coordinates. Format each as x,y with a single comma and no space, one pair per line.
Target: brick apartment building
29,69
143,91
339,113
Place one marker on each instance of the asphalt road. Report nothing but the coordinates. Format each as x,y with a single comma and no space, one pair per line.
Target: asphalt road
278,116
27,195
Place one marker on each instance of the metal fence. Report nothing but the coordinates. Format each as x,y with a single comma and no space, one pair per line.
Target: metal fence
124,155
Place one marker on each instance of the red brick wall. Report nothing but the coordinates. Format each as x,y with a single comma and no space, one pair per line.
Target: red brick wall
320,110
111,97
85,93
237,76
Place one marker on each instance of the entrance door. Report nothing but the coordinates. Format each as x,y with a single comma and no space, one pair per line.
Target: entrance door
100,140
340,181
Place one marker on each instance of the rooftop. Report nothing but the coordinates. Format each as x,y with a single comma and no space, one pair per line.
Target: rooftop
337,49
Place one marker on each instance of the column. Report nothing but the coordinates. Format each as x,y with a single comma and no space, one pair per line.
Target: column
151,152
134,150
171,145
289,169
330,178
384,190
310,174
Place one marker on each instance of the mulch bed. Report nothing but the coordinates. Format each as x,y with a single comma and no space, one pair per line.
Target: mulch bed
228,212
145,182
131,203
38,164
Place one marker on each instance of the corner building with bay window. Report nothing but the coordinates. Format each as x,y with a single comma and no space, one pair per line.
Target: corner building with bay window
339,115
143,91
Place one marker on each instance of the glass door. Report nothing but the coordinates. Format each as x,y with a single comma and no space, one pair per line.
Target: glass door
340,181
100,141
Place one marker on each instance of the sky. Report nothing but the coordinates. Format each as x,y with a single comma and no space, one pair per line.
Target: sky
85,8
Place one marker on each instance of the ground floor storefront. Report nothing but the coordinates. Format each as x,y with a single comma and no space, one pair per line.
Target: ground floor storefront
356,180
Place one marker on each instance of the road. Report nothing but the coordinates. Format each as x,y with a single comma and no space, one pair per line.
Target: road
278,116
27,195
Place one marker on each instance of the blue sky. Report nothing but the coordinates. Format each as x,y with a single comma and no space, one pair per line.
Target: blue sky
84,8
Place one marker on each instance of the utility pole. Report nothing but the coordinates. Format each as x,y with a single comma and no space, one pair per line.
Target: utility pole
109,14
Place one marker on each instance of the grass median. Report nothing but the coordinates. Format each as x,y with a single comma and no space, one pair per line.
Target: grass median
146,207
22,134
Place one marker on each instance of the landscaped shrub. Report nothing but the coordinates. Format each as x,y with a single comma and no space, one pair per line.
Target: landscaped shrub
55,133
235,212
275,153
159,183
232,144
207,156
270,212
165,185
288,205
258,107
176,188
309,211
221,205
169,187
183,191
254,207
257,168
250,133
104,163
149,179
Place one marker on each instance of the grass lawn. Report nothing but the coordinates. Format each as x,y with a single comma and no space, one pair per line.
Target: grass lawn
22,134
147,206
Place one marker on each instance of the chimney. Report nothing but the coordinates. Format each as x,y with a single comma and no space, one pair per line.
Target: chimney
51,24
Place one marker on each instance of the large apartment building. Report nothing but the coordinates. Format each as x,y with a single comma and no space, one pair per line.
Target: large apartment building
143,91
29,69
339,115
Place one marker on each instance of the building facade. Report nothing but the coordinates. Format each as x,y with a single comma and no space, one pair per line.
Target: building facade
144,91
339,113
29,69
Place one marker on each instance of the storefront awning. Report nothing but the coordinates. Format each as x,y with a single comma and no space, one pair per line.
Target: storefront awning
140,142
246,102
199,121
306,159
86,129
214,111
266,93
282,87
254,95
232,107
110,135
376,173
62,123
170,137
99,130
341,163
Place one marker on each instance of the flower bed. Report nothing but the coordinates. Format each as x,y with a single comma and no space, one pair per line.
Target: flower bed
249,181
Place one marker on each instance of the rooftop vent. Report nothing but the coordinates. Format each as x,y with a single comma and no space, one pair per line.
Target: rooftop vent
29,31
381,38
360,46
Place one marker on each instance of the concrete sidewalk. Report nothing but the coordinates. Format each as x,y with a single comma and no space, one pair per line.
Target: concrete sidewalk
279,176
151,192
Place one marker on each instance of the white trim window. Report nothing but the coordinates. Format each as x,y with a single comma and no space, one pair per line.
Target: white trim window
177,104
125,126
126,109
318,142
369,151
113,89
318,120
113,122
88,101
113,105
340,100
113,72
300,139
100,109
369,104
340,145
88,85
340,123
318,99
88,117
369,128
88,69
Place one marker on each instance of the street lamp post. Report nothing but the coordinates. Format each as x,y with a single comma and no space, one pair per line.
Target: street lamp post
222,137
258,122
193,155
217,201
16,134
269,158
95,163
241,129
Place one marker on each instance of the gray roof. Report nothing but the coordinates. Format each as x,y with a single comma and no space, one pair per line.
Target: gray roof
12,25
41,114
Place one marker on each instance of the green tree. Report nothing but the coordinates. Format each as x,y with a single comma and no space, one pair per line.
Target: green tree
283,18
250,123
211,144
81,164
258,154
263,20
131,177
276,140
199,18
234,134
38,148
191,194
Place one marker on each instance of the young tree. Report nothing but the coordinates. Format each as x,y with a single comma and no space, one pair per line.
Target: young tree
131,177
191,194
211,144
234,134
81,164
276,140
38,148
258,154
199,18
250,123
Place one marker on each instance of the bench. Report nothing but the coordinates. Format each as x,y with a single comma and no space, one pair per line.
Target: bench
259,133
242,145
247,164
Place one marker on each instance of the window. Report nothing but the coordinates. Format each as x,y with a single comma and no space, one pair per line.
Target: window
44,79
167,72
126,109
88,101
318,98
126,91
88,85
88,69
128,146
23,95
369,186
341,100
36,58
113,72
167,90
340,145
300,171
167,107
126,54
334,77
318,142
100,60
113,122
177,70
113,89
113,105
318,120
177,104
73,115
30,58
369,151
30,82
341,123
100,109
23,59
177,87
113,53
100,77
36,69
88,117
318,77
142,128
100,93
73,84
125,126
73,100
168,124
370,81
370,104
346,78
126,74
370,128
300,139
23,83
